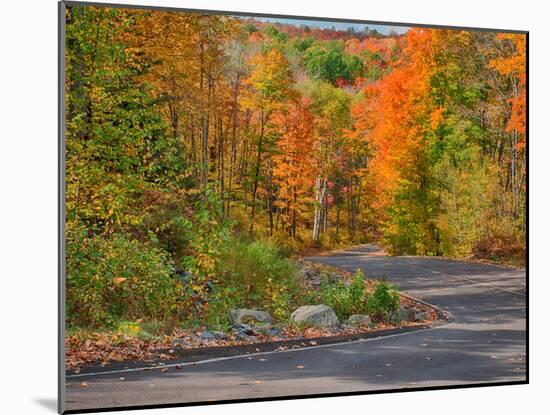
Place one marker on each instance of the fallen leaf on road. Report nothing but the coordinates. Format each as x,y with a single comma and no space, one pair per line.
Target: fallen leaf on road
313,343
178,367
258,382
84,384
262,360
428,358
299,367
164,370
122,378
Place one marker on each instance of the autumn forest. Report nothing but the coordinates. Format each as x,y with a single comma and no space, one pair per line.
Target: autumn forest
213,147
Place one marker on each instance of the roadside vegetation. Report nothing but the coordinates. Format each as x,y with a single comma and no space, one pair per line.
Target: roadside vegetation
205,153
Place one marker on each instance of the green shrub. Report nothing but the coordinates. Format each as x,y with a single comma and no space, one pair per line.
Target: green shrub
344,299
113,278
220,302
383,302
260,276
208,233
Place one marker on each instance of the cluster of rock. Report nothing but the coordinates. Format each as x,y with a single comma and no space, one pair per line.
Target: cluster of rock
324,316
246,323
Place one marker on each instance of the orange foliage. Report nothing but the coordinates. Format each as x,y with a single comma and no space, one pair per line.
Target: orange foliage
514,66
293,167
390,115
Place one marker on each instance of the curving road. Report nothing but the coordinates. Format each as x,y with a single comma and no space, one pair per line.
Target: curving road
484,342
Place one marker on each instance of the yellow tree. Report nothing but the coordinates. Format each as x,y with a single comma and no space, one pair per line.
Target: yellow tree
269,86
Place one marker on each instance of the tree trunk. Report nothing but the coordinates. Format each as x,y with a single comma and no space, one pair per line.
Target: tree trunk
256,175
205,121
294,214
233,157
320,190
337,219
270,196
221,163
194,149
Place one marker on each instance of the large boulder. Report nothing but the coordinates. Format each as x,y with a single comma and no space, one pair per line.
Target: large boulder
359,320
245,316
317,315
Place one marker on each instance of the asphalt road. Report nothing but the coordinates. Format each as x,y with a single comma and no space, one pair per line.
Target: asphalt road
485,342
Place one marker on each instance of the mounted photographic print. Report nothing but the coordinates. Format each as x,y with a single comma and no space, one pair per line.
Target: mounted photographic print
258,207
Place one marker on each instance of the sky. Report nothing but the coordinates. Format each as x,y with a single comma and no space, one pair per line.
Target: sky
384,29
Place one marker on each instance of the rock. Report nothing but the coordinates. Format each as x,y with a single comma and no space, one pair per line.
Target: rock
179,342
359,320
243,315
243,328
263,329
274,331
407,314
317,315
220,335
243,336
206,335
422,316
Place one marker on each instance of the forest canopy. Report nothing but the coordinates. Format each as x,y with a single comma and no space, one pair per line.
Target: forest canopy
189,136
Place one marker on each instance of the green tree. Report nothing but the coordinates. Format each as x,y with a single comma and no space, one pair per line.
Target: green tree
332,64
